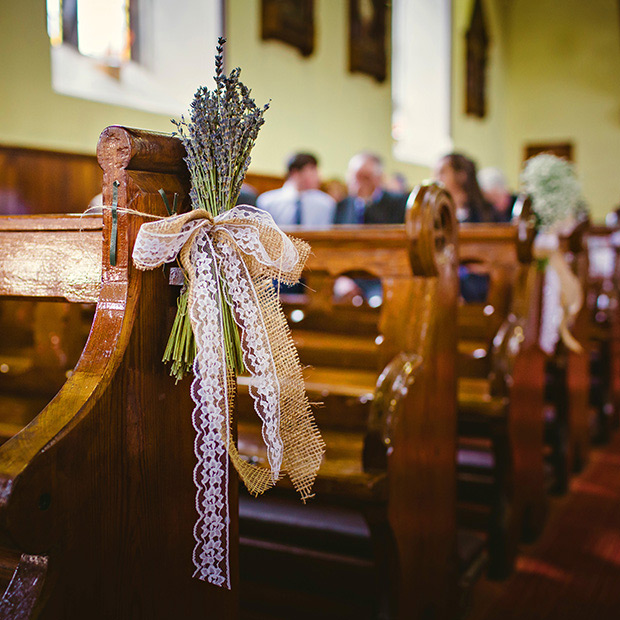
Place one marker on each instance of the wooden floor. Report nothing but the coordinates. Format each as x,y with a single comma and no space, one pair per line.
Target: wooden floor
573,571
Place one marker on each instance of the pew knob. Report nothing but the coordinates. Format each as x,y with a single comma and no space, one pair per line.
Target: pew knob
430,223
135,149
525,220
390,391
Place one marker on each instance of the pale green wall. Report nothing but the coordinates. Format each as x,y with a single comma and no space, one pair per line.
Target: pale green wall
481,139
554,74
316,103
31,114
564,69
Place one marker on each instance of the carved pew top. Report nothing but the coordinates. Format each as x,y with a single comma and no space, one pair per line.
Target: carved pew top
427,241
416,264
382,251
399,256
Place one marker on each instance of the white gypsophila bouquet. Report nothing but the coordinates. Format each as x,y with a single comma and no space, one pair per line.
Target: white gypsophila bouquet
554,190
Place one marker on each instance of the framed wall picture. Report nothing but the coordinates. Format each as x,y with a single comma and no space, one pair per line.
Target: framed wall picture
477,45
289,21
559,149
368,21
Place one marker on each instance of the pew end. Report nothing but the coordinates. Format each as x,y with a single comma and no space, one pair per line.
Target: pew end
386,379
98,488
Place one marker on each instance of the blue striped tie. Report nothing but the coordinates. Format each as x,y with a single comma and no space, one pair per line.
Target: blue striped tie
297,216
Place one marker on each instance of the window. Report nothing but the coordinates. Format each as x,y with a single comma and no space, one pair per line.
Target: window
421,80
145,54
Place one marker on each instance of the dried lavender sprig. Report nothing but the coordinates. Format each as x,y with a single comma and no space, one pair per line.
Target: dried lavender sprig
219,135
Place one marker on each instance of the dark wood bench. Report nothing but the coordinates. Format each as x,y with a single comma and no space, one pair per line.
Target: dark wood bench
603,305
98,502
42,335
379,539
571,425
501,486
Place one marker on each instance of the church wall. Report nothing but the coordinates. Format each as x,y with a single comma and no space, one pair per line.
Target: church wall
484,140
564,67
31,114
316,103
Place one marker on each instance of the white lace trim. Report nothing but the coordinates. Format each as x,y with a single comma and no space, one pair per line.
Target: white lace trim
552,312
213,254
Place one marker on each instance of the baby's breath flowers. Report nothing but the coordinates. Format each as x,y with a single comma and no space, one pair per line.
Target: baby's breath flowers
218,137
554,190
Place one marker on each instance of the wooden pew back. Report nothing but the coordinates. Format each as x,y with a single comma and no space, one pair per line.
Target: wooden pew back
97,491
50,275
389,420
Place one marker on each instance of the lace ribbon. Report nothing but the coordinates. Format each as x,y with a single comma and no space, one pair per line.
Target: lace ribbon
244,248
562,296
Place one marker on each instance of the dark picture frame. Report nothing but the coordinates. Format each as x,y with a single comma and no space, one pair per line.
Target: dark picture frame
563,150
289,21
368,21
477,45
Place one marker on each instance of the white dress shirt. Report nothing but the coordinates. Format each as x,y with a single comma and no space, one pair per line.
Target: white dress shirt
317,207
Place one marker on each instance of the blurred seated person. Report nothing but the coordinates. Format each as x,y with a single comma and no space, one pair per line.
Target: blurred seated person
368,202
495,191
247,195
457,173
299,201
612,219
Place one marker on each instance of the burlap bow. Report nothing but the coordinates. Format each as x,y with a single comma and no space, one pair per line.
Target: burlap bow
563,297
244,248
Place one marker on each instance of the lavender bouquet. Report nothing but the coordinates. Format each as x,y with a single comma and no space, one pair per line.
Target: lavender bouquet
218,138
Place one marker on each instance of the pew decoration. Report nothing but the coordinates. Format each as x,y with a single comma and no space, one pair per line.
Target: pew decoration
231,255
557,206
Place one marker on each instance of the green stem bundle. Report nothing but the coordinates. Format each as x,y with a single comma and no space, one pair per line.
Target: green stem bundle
222,129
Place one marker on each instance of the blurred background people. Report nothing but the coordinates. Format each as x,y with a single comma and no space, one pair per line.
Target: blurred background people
613,217
495,190
458,175
368,201
299,201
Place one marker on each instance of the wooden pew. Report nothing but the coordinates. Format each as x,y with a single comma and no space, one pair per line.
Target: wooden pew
570,428
501,392
97,496
38,182
41,340
379,539
603,304
578,364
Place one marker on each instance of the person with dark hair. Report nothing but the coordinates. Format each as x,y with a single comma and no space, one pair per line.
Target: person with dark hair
299,201
458,175
368,202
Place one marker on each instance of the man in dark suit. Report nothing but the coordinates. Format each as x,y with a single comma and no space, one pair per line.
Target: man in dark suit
368,202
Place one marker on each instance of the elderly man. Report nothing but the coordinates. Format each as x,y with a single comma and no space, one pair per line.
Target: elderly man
368,202
299,201
495,190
